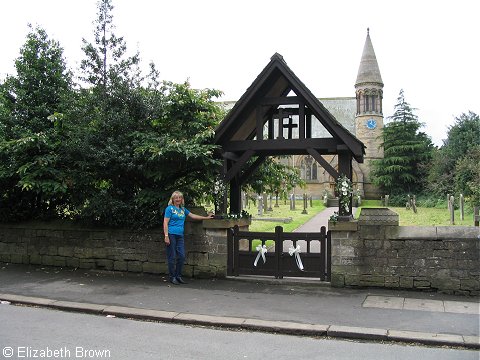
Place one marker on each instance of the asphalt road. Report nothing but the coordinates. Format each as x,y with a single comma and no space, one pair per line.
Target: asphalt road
26,332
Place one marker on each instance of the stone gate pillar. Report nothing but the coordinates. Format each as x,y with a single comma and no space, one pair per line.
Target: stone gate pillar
360,248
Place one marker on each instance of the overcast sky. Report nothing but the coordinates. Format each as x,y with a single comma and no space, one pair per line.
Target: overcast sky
430,49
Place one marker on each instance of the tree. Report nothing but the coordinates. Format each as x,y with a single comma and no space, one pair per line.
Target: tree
274,177
31,174
449,172
467,175
143,143
106,63
175,149
406,151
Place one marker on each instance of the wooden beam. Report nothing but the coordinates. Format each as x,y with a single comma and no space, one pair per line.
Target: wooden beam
323,163
230,156
301,119
345,163
280,123
322,145
308,125
251,169
282,100
271,128
259,123
235,196
235,169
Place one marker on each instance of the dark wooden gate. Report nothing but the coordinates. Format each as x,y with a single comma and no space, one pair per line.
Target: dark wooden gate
315,253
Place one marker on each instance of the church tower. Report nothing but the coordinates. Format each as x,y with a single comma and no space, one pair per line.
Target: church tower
369,113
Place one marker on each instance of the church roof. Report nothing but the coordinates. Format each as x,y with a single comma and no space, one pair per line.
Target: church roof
344,109
368,71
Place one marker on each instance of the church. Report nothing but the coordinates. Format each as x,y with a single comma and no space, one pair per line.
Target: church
361,115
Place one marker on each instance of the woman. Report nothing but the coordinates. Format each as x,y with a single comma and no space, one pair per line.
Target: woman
173,227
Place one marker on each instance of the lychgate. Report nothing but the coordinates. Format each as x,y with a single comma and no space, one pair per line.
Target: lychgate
274,117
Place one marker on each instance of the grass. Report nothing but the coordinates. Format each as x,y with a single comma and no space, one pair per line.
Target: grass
424,216
283,211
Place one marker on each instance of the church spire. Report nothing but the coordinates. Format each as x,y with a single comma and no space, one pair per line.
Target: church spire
368,71
369,84
369,116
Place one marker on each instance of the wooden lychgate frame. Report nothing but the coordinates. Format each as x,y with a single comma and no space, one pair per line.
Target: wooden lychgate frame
254,129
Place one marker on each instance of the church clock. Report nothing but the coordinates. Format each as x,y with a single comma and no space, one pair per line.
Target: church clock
371,124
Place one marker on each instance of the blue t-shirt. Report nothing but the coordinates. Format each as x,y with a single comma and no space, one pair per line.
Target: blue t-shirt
177,219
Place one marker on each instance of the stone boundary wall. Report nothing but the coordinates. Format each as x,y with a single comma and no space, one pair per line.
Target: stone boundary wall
64,244
372,251
375,251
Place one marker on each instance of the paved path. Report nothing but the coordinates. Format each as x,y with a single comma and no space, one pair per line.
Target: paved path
258,304
319,220
313,225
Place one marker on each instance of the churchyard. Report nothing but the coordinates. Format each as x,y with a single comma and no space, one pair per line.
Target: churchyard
425,216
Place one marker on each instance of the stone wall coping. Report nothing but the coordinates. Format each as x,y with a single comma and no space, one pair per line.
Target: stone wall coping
432,232
378,216
59,225
225,223
351,225
458,232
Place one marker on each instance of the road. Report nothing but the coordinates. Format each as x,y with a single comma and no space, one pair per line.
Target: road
27,332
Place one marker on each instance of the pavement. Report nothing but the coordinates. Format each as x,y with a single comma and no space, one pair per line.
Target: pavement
289,306
319,220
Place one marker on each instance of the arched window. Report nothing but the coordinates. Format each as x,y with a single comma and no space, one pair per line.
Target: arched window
308,168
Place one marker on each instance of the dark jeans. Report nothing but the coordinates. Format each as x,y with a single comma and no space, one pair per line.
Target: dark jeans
175,255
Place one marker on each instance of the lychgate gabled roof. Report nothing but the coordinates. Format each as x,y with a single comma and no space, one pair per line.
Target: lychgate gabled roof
243,127
255,128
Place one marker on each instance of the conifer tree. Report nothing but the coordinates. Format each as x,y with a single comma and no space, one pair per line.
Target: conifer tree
406,151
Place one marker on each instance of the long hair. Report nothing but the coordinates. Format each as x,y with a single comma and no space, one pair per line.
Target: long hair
177,193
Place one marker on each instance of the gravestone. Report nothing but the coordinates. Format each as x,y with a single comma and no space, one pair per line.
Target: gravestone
260,205
304,204
451,207
270,203
462,203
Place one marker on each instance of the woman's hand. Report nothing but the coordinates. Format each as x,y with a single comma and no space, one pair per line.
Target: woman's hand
167,240
200,217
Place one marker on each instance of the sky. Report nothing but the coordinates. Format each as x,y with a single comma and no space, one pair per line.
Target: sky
430,49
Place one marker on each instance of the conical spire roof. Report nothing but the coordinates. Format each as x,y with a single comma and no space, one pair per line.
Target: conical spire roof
368,71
